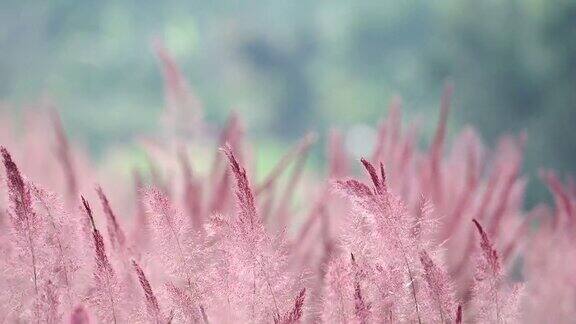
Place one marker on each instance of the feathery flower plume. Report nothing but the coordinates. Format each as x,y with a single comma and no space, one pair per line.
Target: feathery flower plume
64,154
391,225
388,132
220,193
104,294
295,315
117,237
494,302
509,179
157,180
490,254
61,235
231,134
295,153
180,253
378,182
500,176
286,197
191,193
184,109
440,288
152,306
435,174
337,164
27,226
219,177
139,233
456,217
243,193
565,208
261,259
19,193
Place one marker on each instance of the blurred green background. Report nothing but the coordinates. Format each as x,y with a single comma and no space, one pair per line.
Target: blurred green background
292,66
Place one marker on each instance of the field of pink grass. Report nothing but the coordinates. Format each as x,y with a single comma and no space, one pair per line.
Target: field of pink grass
436,235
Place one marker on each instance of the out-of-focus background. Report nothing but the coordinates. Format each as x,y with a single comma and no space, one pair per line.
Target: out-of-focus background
292,66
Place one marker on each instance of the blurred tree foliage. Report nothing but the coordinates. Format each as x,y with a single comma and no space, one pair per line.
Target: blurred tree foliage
291,66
